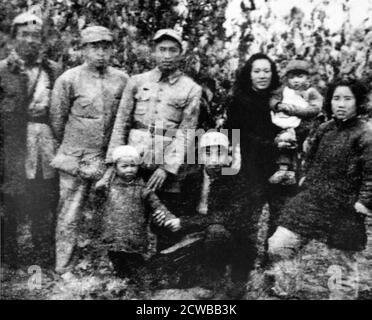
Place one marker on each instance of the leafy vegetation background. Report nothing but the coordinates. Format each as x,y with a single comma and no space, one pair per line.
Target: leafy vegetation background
212,56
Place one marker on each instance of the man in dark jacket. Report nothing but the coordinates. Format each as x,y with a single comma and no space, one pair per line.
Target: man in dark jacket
27,144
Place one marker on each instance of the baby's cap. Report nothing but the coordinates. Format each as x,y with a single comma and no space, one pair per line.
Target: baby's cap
298,65
214,139
128,153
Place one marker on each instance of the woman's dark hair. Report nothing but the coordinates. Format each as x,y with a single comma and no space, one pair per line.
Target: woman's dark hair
243,80
358,89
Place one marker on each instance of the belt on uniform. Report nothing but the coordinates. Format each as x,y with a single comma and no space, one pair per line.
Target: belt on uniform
155,130
40,119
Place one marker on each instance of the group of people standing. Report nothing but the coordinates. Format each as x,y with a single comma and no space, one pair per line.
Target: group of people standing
99,130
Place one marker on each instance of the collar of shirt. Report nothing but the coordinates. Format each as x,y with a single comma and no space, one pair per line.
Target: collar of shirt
172,78
94,73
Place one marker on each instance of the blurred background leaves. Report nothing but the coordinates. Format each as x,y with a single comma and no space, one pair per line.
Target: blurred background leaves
212,53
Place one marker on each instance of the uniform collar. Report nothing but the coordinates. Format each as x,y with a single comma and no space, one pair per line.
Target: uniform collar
346,123
172,78
94,73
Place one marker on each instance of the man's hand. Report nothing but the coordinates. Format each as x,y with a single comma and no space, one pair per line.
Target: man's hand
173,224
157,179
159,217
361,208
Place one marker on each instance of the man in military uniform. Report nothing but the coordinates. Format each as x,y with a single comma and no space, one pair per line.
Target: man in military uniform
156,111
84,105
27,143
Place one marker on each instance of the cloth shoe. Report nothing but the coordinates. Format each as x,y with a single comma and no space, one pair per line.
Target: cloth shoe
284,177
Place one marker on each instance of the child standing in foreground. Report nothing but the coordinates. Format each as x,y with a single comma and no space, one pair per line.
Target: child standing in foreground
126,231
292,106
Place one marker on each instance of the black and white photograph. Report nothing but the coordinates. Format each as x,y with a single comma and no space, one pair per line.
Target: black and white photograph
206,150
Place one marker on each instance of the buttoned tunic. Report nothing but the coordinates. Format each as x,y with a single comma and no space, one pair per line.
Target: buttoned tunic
156,115
84,105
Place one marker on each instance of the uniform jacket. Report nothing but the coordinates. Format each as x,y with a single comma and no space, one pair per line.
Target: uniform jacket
167,104
339,173
18,110
84,105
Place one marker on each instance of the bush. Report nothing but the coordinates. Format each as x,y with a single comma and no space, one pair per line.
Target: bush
209,59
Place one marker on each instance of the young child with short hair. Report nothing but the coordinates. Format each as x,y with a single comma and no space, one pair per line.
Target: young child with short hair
129,210
293,106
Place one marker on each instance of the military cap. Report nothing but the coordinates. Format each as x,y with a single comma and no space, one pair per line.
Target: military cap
27,18
96,34
168,33
298,65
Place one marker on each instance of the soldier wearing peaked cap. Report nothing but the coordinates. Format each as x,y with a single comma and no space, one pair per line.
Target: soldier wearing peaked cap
159,105
27,143
84,105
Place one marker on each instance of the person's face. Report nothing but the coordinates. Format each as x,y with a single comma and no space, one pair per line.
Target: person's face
343,103
261,74
215,157
297,80
126,169
167,55
28,42
98,54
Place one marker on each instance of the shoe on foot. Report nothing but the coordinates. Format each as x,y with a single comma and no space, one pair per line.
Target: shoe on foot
284,177
278,177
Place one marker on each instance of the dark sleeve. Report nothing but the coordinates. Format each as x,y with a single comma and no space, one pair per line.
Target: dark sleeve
234,109
216,214
154,203
195,223
60,105
365,193
257,132
313,146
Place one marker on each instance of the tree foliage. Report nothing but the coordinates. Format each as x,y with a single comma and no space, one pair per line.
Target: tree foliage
209,58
